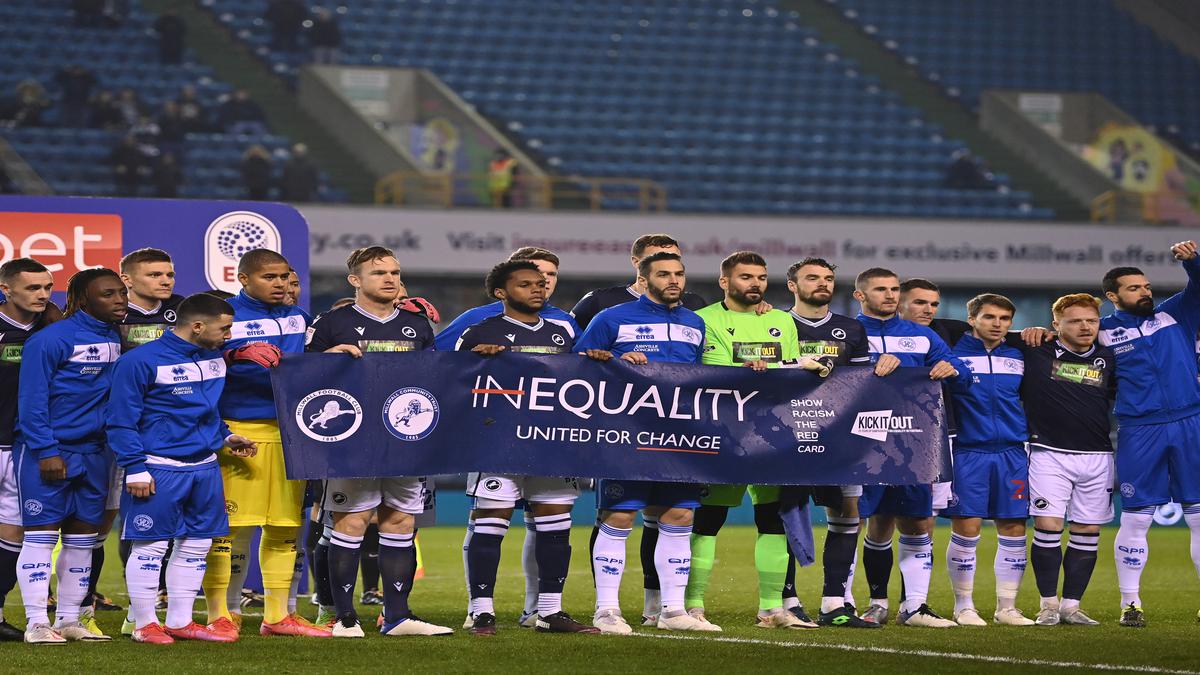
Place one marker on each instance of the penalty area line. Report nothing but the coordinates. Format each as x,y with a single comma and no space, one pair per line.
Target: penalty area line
1007,660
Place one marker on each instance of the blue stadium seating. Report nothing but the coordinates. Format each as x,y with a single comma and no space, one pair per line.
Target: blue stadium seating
75,161
735,106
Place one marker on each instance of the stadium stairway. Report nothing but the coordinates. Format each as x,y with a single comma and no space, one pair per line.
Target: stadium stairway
957,121
230,60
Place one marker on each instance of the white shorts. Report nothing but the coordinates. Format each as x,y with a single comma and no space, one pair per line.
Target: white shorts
116,485
503,491
355,495
10,500
941,495
1075,486
851,490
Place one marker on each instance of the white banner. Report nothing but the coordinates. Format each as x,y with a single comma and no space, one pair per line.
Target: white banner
597,245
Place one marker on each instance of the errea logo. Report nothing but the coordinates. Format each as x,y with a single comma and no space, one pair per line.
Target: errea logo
876,425
254,328
644,331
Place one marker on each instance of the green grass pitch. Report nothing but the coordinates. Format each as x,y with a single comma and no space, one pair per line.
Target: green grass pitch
1171,643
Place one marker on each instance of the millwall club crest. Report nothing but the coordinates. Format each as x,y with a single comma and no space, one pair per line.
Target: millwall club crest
411,413
328,415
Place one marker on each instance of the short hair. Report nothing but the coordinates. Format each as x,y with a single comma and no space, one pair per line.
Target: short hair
534,253
341,302
199,306
258,258
218,293
501,273
10,269
144,255
1075,300
1112,278
741,258
647,240
365,255
794,269
870,273
78,284
975,304
645,263
919,283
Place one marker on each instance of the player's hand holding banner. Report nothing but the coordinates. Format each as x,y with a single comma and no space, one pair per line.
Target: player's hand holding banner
436,413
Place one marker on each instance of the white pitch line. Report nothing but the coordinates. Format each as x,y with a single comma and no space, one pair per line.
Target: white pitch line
1007,660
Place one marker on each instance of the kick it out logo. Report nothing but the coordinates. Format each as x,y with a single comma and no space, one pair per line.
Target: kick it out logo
228,238
877,424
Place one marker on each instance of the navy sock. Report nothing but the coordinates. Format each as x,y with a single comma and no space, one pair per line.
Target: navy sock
1046,558
344,551
1079,562
483,555
553,551
836,560
649,543
877,563
789,579
97,566
397,567
9,550
370,558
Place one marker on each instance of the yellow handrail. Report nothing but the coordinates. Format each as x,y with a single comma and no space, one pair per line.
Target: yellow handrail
1104,207
590,192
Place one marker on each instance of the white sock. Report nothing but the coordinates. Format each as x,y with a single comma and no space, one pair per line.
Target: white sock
960,561
74,569
466,565
651,597
141,579
916,568
849,597
33,573
1009,565
1191,516
239,567
529,565
1131,551
673,561
608,565
185,571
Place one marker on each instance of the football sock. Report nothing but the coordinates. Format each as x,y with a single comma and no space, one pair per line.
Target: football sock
553,552
608,565
651,587
74,569
162,573
841,540
1191,516
141,579
9,552
1047,558
1009,567
124,549
1131,552
916,568
673,560
789,582
529,564
592,540
397,567
369,557
708,522
344,552
239,567
276,559
849,597
312,538
185,569
466,562
97,567
770,555
960,562
1078,564
484,554
320,567
877,563
34,578
216,576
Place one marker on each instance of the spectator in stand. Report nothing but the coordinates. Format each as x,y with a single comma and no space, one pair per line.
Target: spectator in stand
171,127
325,37
127,160
966,172
130,107
31,101
167,176
76,84
300,179
287,19
103,112
256,172
146,133
240,115
193,112
170,29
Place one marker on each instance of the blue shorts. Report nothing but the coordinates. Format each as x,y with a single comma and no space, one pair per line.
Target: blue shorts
1158,463
635,495
187,502
990,484
910,501
82,496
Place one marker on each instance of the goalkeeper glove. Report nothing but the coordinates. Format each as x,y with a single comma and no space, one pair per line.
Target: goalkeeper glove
263,353
420,306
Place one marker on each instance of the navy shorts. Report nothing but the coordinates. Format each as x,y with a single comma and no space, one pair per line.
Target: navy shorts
187,502
1158,463
82,496
990,484
910,501
635,495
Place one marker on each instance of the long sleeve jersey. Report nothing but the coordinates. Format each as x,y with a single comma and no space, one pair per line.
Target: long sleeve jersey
247,394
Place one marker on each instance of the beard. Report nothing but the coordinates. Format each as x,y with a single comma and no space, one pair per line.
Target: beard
525,308
1143,307
745,298
815,301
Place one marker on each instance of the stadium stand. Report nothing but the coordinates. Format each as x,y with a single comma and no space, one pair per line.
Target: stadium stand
123,54
736,107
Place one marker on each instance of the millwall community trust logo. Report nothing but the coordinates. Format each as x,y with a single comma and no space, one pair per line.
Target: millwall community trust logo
228,238
411,413
877,424
328,415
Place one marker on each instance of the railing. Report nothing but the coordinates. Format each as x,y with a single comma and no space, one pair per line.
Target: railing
1147,207
527,192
